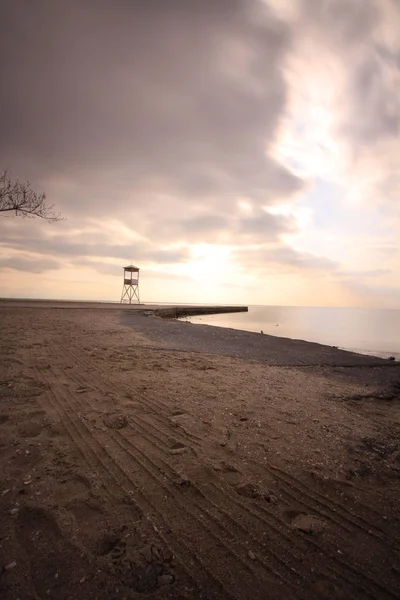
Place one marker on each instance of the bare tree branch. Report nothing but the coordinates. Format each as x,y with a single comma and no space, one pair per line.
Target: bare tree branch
21,199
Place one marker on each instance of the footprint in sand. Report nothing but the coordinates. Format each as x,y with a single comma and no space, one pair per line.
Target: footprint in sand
143,568
55,565
71,488
251,490
30,429
310,524
115,421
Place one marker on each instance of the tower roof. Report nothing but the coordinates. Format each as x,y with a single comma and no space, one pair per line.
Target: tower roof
131,268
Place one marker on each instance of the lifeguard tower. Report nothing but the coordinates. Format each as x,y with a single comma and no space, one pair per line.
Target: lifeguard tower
130,289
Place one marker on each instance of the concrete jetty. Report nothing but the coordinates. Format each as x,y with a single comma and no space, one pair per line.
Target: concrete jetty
171,311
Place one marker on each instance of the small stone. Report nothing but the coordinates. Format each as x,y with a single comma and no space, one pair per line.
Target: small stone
10,566
249,490
82,580
308,524
27,452
3,493
14,511
166,579
229,467
252,556
182,480
178,448
270,497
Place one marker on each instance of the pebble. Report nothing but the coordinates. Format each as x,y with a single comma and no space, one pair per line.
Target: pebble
166,579
6,491
14,511
182,480
178,450
82,580
10,566
252,556
229,467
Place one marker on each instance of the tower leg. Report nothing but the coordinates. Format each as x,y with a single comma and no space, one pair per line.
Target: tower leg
129,292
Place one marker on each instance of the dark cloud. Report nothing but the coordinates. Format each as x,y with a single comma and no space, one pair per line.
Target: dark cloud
62,246
375,102
286,257
78,248
118,95
265,227
29,264
231,228
114,270
352,30
341,22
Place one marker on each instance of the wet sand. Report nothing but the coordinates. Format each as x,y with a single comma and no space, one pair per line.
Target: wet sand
141,457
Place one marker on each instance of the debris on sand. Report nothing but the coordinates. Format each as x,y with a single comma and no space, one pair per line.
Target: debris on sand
115,421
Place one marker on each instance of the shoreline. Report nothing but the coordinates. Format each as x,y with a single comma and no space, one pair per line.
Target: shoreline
384,355
359,340
248,345
180,312
269,348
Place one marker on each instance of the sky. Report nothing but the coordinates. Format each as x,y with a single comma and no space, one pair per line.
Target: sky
237,151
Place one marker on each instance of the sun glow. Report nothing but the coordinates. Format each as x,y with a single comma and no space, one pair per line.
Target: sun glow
210,263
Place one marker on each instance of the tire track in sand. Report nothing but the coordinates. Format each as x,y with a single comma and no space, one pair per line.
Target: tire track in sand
222,572
315,501
344,567
98,458
198,528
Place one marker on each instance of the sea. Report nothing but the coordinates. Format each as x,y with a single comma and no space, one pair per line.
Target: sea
369,331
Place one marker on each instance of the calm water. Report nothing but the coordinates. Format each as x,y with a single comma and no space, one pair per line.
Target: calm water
368,331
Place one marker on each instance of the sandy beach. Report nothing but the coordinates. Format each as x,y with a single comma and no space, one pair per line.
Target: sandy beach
150,458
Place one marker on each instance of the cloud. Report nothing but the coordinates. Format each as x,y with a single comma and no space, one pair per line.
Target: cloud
27,263
343,76
384,296
365,274
151,125
284,256
61,246
183,100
